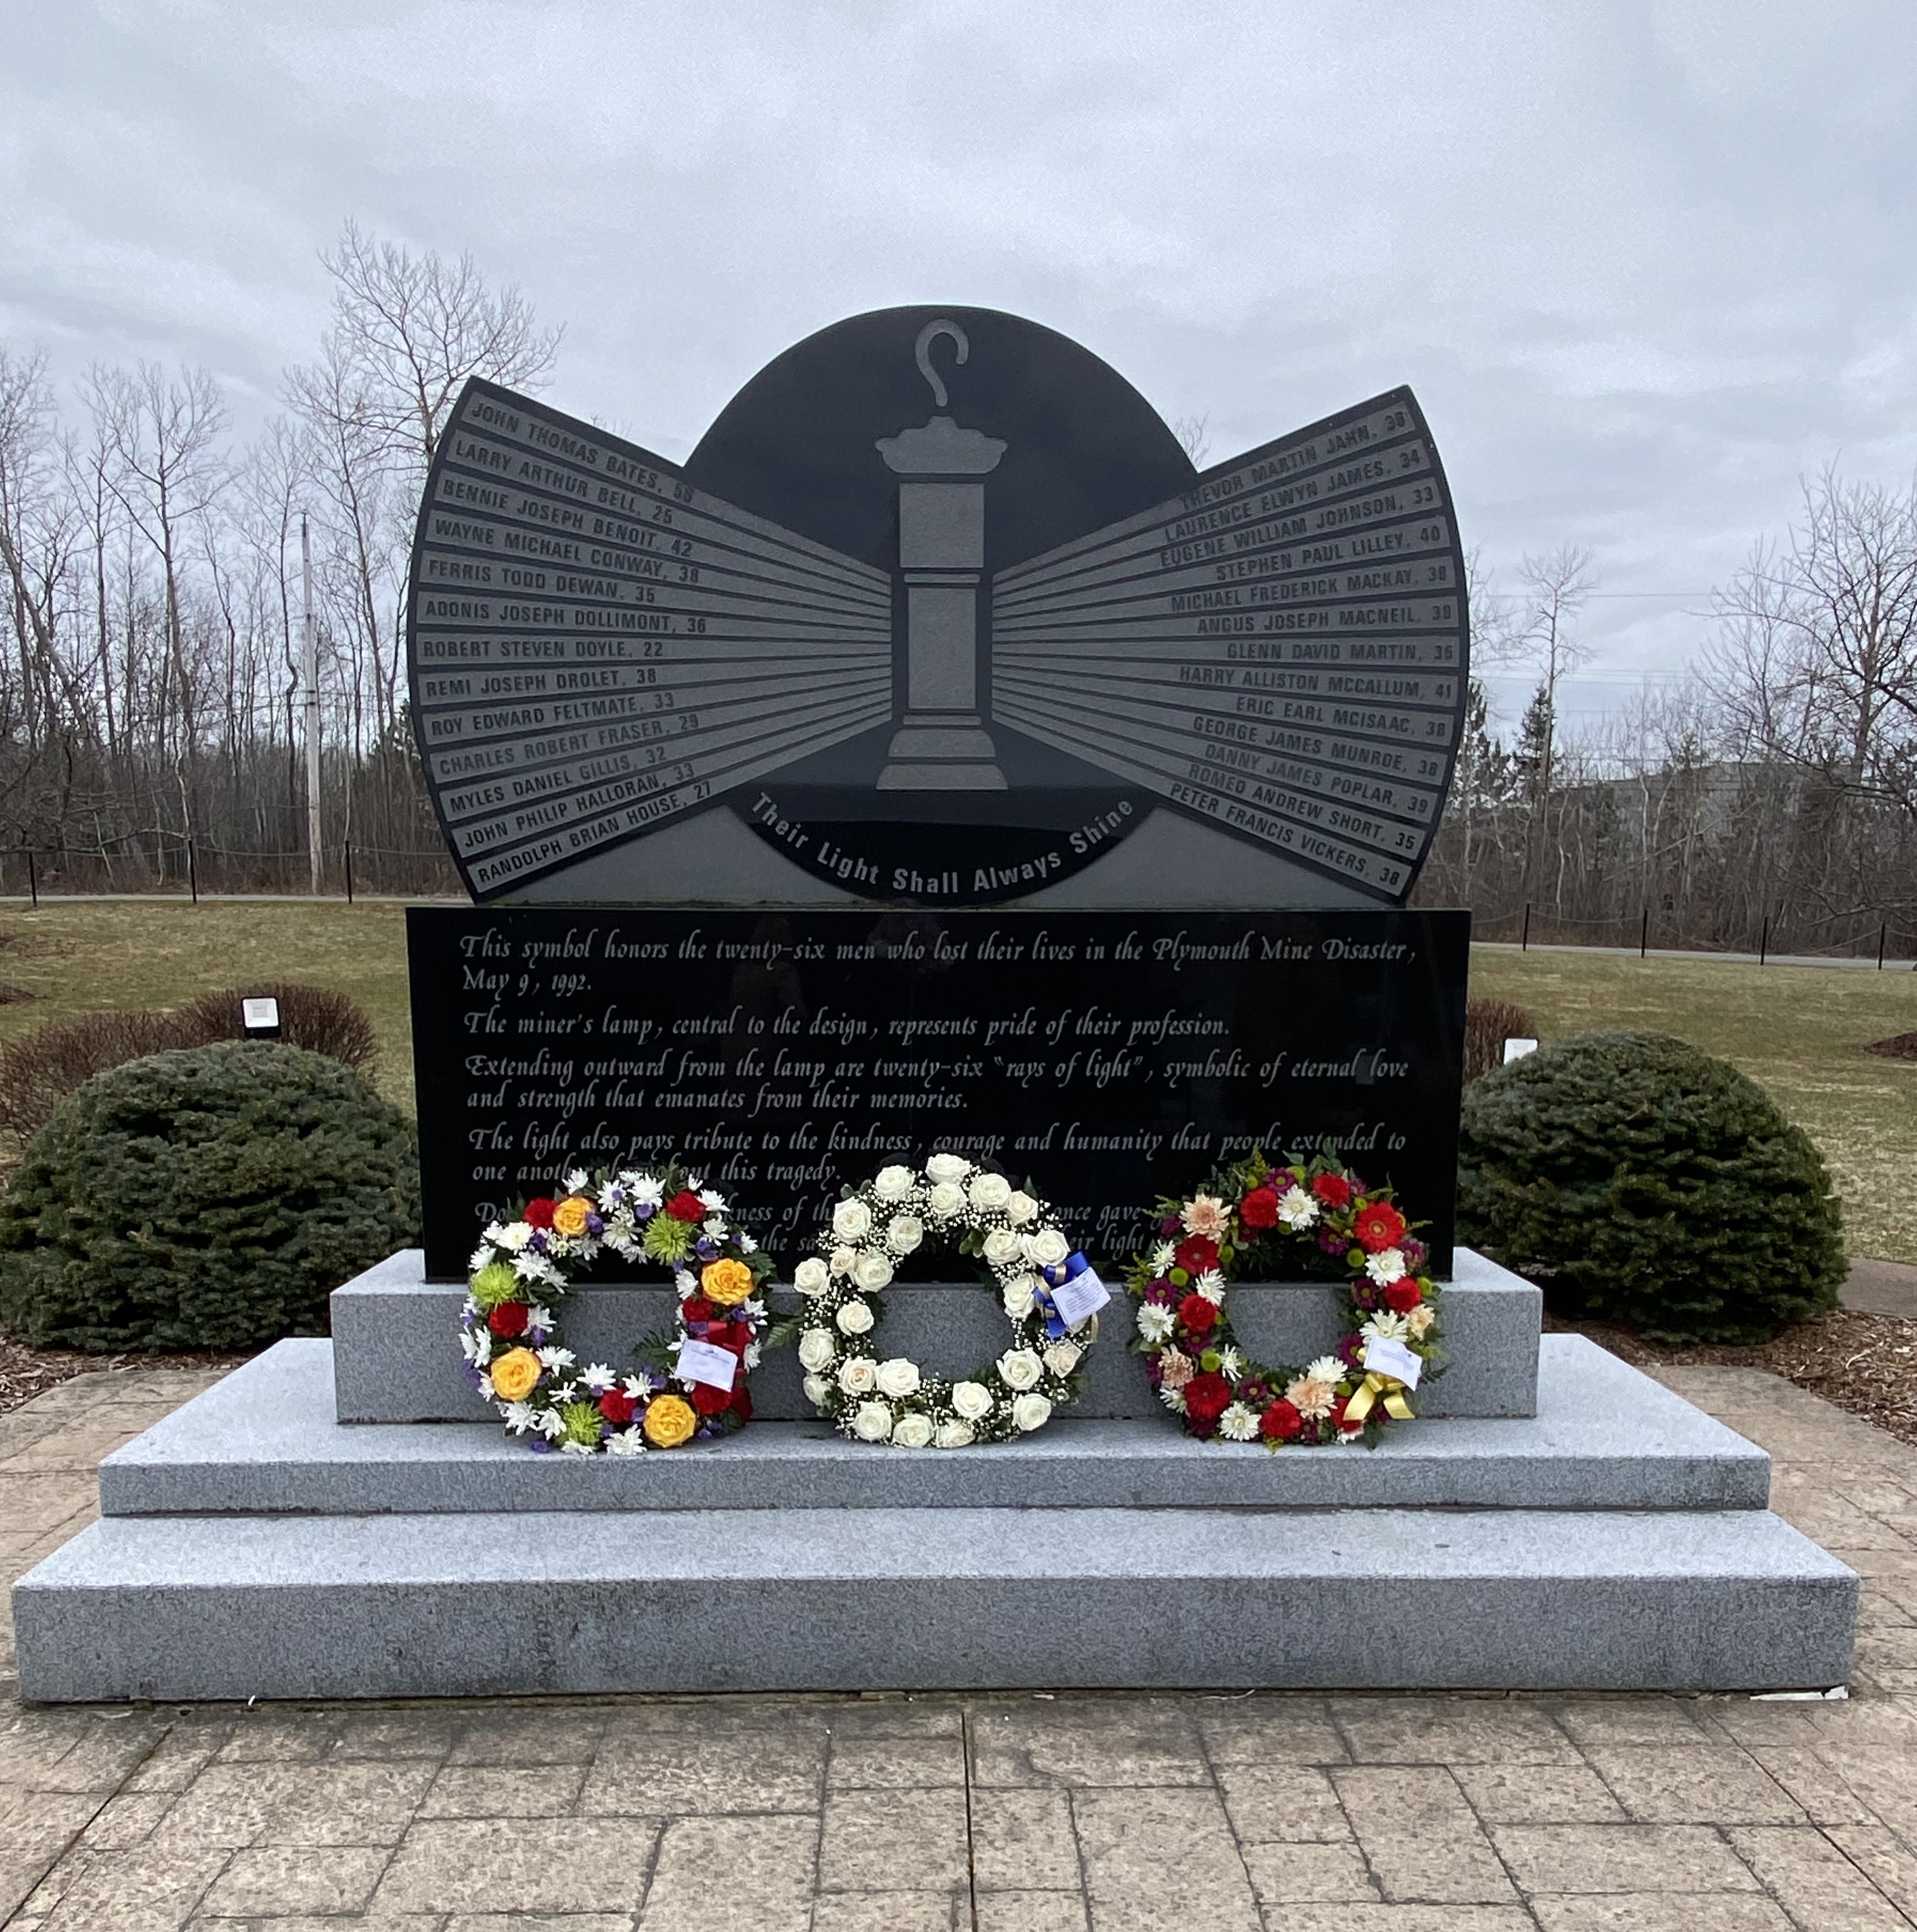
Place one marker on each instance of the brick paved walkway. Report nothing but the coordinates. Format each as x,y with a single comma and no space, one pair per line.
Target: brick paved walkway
1014,1814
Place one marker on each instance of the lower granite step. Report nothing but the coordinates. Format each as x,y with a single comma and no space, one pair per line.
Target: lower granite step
833,1599
1606,1437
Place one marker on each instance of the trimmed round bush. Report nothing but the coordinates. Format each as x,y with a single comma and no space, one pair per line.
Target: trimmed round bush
1638,1179
207,1198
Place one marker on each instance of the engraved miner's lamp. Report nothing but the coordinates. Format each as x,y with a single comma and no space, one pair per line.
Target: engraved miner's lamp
941,744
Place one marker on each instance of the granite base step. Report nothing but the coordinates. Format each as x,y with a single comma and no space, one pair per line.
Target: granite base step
392,1313
223,1607
264,1442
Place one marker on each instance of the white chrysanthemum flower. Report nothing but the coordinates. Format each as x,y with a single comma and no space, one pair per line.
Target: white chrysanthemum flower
569,1448
751,1358
1156,1323
1326,1369
646,1191
610,1196
514,1238
1164,1257
1211,1286
1386,1266
481,1257
637,1388
625,1442
538,1316
623,1243
1173,1399
684,1283
747,1245
1231,1363
552,1423
1237,1423
494,1229
521,1416
473,1344
693,1185
715,1229
599,1378
557,1358
577,1180
1297,1209
712,1200
1385,1327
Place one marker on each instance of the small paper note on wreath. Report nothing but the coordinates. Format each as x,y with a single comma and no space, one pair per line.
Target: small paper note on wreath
701,1362
1080,1297
1385,1357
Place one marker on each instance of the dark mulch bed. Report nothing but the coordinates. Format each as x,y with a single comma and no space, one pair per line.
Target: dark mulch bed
1899,1046
1864,1363
26,1372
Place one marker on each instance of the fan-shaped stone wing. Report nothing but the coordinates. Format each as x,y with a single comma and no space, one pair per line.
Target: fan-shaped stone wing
1282,650
597,647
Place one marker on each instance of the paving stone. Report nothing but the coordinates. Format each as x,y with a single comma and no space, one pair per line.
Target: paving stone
1814,1882
1403,1918
1419,1837
1031,1912
1818,1788
1630,1721
670,1775
1448,1730
1693,1784
1275,1805
1022,1841
891,1911
503,1791
1620,1858
149,1889
519,1738
1538,1794
1270,1730
758,1872
489,1921
866,1763
1884,1858
542,1865
297,1804
1668,1912
893,1840
1284,1876
1134,1842
1123,1743
266,1880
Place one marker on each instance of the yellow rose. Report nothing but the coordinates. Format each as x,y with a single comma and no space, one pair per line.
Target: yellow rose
727,1282
515,1375
569,1216
669,1422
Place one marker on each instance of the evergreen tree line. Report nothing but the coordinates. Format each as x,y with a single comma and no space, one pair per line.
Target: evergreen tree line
1767,799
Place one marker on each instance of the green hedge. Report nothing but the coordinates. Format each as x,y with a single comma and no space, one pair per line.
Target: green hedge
207,1198
1640,1180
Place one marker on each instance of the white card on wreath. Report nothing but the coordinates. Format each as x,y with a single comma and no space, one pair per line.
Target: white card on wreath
1393,1358
700,1362
1083,1294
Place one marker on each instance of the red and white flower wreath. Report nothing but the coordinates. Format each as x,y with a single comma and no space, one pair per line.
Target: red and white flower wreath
1391,1307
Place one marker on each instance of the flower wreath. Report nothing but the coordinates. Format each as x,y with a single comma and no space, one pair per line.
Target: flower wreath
1051,1296
1185,1335
516,1356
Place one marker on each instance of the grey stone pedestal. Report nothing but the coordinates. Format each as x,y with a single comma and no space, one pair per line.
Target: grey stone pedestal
1583,1528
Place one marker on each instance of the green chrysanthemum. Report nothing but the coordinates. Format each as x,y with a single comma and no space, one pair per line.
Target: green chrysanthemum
667,1240
495,1283
583,1421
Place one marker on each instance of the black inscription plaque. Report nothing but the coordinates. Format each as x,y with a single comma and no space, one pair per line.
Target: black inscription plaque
1110,1056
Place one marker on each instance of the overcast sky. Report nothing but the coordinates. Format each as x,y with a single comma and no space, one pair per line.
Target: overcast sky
1643,264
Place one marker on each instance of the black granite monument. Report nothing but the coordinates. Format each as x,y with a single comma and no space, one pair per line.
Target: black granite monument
935,758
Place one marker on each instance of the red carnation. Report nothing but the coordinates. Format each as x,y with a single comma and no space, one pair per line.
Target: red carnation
508,1319
1280,1422
1259,1208
698,1308
708,1400
742,1402
733,1335
617,1407
1334,1189
687,1207
1338,1412
1196,1253
539,1213
1206,1396
1197,1314
1403,1295
1378,1226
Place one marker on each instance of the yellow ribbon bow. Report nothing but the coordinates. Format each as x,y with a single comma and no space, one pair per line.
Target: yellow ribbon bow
1365,1396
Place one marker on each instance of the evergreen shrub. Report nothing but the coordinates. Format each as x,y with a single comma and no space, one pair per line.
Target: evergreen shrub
1639,1180
209,1198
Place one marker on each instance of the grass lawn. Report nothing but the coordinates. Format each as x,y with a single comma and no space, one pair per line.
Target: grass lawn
1801,1031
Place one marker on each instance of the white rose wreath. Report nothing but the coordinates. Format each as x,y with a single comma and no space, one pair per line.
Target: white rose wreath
1051,1296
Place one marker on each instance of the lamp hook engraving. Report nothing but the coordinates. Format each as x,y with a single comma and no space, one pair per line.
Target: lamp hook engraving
921,353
